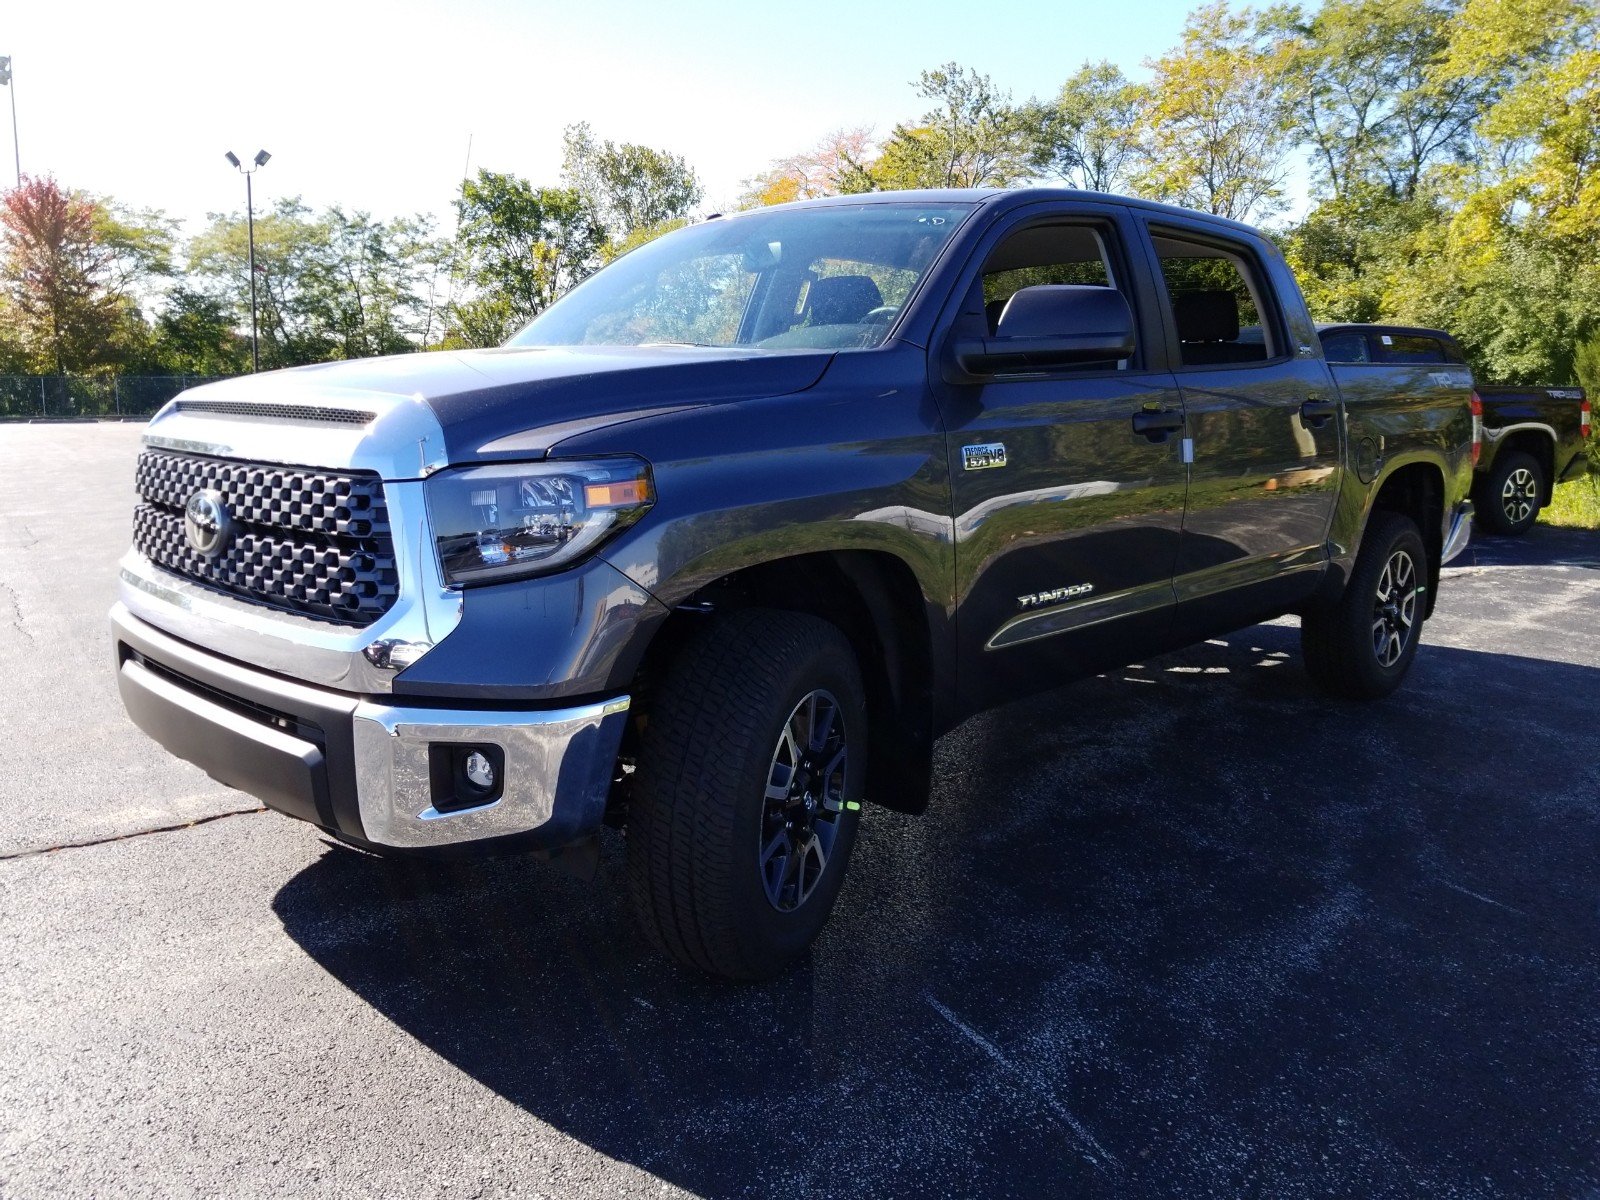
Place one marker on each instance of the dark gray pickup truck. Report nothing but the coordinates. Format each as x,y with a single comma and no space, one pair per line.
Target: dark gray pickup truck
1533,438
718,545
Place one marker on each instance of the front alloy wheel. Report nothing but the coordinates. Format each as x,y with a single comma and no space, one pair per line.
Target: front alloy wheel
747,795
804,800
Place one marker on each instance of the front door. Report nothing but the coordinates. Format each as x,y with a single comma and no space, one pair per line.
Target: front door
1068,484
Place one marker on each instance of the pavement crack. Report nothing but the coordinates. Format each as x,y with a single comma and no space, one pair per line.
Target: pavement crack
16,618
137,833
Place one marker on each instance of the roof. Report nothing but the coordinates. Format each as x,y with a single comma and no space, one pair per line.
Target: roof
1005,199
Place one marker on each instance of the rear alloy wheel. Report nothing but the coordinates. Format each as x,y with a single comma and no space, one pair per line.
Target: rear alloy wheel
748,792
1512,494
1362,646
1394,609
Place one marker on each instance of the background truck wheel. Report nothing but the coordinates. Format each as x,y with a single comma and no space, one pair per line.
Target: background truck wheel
1511,493
747,794
1361,647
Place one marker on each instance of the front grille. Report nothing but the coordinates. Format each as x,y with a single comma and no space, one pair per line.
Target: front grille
308,541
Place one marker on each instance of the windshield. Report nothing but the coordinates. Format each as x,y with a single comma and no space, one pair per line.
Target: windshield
818,278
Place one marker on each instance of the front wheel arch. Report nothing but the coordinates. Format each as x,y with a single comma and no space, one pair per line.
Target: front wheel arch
875,600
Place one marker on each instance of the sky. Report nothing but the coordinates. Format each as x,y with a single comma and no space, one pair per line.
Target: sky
372,105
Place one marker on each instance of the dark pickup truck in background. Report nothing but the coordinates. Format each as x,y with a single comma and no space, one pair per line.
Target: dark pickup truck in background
718,545
1533,438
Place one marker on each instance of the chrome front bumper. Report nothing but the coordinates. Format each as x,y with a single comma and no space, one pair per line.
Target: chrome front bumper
555,758
360,767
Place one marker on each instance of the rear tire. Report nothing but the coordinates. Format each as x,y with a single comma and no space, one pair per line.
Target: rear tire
746,799
1512,493
1361,647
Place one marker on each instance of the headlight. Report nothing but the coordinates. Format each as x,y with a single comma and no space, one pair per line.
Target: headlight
514,519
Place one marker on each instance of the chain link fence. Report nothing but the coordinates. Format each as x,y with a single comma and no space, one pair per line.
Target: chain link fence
32,396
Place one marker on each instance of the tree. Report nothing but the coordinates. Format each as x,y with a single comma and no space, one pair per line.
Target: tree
1514,269
376,282
1217,132
837,165
1089,136
612,251
330,285
1372,103
195,335
1350,251
521,247
973,137
70,265
627,186
1542,129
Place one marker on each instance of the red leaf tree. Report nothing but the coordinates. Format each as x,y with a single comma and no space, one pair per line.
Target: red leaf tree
57,273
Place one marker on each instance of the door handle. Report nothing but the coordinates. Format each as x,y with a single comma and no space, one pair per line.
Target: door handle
1315,413
1158,424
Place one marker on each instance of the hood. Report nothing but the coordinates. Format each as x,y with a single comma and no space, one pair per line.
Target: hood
484,399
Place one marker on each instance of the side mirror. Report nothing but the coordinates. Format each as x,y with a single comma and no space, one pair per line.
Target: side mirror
1052,325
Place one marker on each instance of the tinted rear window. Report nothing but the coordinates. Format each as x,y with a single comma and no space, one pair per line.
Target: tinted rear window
1348,347
1409,348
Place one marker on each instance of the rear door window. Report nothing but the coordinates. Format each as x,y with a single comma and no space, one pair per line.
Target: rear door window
1217,303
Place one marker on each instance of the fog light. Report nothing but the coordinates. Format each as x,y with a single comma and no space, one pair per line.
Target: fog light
465,776
480,770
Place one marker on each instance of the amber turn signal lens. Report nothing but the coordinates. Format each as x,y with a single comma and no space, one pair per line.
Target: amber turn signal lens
617,494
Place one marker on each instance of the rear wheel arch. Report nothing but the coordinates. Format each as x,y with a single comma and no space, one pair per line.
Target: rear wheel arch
1539,443
1416,490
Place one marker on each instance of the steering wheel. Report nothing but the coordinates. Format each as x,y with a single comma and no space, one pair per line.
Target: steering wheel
884,312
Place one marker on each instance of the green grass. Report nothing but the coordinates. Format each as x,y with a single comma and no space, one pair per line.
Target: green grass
1576,505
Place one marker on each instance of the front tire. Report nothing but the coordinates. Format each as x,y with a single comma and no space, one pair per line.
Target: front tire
1512,493
1361,647
747,795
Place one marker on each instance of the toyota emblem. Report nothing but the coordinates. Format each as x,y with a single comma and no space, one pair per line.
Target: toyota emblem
206,523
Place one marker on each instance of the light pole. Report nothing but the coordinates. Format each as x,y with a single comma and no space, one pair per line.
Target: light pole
260,161
10,85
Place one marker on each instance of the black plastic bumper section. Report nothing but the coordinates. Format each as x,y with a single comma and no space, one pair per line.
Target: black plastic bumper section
291,746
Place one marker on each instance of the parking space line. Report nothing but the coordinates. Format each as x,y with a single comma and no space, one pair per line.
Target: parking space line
1092,1150
1454,887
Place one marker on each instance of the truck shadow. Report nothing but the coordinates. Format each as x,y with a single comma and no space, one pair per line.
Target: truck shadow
1541,546
1185,925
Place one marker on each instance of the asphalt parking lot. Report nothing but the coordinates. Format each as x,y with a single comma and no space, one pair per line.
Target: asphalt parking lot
1186,929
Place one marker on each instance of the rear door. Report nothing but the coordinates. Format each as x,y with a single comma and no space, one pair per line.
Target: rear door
1067,518
1263,419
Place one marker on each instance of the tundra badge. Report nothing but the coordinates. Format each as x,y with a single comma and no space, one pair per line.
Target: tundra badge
981,458
1054,596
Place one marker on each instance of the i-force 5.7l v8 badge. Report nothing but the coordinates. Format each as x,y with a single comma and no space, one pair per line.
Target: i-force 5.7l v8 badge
981,458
